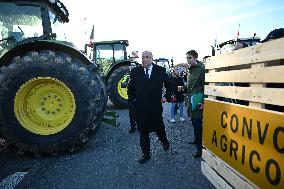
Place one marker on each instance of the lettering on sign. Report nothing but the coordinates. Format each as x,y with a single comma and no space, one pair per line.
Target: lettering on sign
249,140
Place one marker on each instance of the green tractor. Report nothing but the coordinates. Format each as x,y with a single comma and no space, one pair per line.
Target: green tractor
115,66
52,97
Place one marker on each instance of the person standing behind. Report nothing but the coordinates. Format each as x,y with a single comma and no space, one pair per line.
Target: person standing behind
131,112
177,98
145,90
195,92
132,118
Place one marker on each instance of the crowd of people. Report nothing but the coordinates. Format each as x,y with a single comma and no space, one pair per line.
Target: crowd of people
145,93
145,90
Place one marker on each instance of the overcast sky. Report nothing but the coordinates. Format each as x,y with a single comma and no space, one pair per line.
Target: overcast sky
169,28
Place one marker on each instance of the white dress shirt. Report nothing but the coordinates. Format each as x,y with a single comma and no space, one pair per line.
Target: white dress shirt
149,70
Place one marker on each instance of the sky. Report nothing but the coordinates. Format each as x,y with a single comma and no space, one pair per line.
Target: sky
169,28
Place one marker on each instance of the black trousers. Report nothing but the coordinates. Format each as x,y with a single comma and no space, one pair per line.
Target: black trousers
197,125
145,140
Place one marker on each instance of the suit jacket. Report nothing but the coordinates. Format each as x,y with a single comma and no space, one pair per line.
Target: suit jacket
146,95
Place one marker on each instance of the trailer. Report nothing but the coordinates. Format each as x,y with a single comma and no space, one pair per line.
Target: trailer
243,139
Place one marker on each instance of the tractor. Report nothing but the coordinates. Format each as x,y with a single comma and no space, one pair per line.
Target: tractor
52,96
229,46
165,63
114,65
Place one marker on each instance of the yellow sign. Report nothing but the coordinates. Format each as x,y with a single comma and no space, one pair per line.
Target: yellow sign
250,140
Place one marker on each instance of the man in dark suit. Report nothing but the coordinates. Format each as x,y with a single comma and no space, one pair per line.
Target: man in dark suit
145,91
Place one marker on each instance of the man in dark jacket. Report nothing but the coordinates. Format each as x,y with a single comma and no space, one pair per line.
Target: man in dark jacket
195,92
145,91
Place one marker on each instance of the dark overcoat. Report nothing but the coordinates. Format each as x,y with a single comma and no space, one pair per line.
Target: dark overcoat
146,95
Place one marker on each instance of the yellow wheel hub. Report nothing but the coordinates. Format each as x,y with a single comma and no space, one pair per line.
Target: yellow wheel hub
122,91
44,105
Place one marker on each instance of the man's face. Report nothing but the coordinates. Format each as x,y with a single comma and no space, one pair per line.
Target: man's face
190,59
147,59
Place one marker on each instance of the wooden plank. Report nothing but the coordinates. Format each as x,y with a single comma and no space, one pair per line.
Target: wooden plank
212,84
268,51
238,57
256,75
228,173
254,85
213,177
239,105
261,95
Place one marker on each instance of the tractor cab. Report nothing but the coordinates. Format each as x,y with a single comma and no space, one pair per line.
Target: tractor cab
114,65
164,62
26,21
108,53
229,46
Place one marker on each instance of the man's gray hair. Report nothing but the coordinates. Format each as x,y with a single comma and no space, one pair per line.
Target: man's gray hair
149,53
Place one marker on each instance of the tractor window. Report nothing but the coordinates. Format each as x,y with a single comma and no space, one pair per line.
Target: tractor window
118,52
18,22
226,49
104,52
58,28
104,57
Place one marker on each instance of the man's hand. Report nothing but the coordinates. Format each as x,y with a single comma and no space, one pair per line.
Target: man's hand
164,100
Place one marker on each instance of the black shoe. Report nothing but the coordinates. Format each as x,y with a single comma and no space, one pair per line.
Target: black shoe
166,146
197,154
192,142
144,158
132,130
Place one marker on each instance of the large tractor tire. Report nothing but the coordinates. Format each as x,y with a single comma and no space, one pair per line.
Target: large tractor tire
49,102
118,94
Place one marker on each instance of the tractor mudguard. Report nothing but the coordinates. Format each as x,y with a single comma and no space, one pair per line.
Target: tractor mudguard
45,45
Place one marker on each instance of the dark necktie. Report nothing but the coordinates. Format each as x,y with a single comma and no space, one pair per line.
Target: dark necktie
147,73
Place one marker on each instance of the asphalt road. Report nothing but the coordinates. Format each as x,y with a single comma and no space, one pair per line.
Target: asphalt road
109,160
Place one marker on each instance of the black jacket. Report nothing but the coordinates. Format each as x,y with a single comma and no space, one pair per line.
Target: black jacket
146,95
175,82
